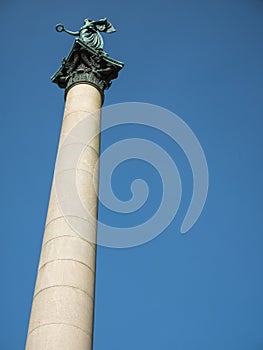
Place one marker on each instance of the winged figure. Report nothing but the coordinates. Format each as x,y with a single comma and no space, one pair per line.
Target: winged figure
89,33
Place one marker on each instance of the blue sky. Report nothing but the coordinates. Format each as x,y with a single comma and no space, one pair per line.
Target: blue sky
203,61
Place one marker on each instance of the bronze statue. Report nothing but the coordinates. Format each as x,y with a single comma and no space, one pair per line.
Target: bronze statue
89,34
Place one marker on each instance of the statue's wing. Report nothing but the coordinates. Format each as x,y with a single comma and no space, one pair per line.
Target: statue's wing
103,25
110,28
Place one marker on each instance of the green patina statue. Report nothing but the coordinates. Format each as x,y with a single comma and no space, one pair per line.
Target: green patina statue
89,34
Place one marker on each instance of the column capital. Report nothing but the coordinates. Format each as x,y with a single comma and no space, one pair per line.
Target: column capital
86,65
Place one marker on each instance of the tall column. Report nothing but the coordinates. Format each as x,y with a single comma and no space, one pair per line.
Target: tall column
63,303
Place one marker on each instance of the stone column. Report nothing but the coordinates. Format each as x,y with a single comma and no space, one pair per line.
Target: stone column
63,303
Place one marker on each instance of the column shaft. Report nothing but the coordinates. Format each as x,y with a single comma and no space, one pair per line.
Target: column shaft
63,302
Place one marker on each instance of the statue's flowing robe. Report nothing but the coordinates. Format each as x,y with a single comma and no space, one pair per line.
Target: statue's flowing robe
92,39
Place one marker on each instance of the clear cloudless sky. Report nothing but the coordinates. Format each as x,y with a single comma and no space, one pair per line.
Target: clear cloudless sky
203,61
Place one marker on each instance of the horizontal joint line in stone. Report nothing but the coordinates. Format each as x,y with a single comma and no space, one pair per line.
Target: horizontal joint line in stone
79,237
63,285
65,259
77,169
81,111
80,143
60,323
70,216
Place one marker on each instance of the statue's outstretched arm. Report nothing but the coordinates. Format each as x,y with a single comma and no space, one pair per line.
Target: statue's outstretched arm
61,28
